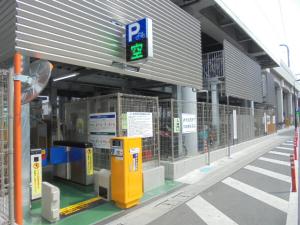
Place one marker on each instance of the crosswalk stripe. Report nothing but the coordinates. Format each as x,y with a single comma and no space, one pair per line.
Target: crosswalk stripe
208,213
269,173
257,194
274,161
279,153
285,148
288,144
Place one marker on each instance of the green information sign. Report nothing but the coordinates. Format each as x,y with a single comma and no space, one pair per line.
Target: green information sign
176,125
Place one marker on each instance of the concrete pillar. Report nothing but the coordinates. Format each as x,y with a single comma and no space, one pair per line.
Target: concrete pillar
285,105
290,105
189,98
215,109
279,94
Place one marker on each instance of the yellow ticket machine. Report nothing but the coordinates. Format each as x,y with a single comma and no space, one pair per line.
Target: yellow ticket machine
126,171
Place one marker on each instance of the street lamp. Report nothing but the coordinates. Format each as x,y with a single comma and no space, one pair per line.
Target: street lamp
288,52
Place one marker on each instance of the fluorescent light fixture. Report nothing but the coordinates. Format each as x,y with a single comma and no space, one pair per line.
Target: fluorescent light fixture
66,76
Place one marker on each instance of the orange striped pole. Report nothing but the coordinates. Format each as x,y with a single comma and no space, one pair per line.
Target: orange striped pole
293,174
18,141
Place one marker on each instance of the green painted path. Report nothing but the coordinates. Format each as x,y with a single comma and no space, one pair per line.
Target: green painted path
73,193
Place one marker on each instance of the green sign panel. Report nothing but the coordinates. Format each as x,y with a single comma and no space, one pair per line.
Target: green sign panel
176,125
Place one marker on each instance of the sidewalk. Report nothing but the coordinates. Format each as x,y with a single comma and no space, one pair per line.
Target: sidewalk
197,181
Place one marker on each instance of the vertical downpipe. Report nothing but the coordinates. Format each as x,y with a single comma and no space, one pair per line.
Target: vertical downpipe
18,141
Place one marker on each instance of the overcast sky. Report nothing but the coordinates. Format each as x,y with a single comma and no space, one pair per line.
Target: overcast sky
273,22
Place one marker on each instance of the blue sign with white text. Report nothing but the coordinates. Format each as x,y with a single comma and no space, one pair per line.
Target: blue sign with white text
139,40
136,31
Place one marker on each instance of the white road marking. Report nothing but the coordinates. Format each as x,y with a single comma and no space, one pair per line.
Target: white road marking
292,217
269,173
279,153
260,195
285,148
208,213
288,144
274,161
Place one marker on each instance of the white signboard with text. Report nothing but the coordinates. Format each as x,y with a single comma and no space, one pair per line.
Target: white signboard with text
139,124
189,123
102,127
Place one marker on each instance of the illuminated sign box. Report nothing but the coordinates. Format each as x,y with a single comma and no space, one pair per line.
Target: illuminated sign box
139,40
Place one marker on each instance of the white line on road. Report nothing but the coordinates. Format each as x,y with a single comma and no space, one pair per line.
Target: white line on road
208,213
257,194
292,217
291,149
269,173
288,144
274,161
279,153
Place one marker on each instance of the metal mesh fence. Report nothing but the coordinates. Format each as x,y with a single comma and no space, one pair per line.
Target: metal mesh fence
134,103
77,117
259,125
3,147
215,126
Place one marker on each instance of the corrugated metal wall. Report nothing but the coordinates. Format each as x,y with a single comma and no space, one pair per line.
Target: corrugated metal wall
82,33
7,29
242,74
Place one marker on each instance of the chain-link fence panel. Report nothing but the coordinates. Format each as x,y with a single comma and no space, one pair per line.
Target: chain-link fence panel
218,126
77,117
143,104
178,129
259,122
4,204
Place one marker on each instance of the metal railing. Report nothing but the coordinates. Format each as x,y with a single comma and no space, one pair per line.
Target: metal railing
213,65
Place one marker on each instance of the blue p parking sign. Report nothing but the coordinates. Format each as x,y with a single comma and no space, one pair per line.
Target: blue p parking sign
139,40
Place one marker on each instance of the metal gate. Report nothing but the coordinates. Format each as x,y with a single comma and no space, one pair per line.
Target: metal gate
4,218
